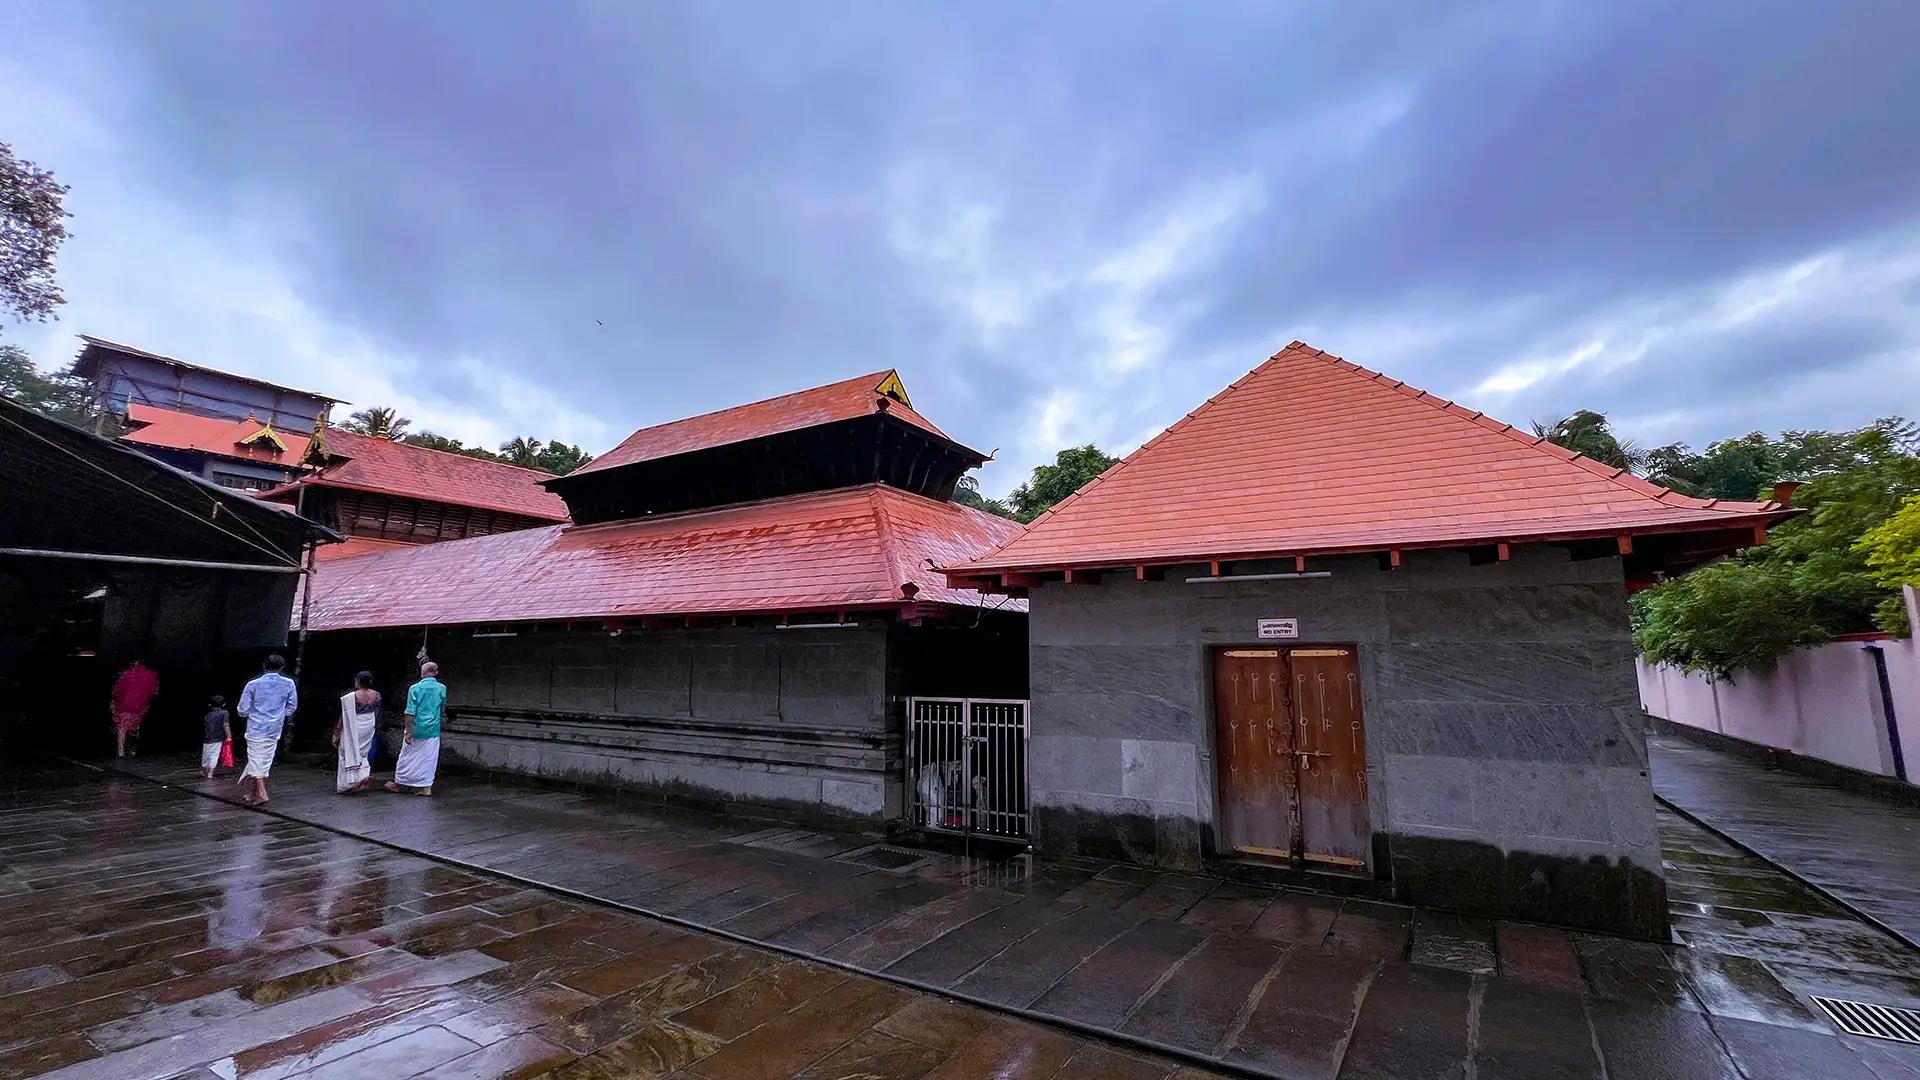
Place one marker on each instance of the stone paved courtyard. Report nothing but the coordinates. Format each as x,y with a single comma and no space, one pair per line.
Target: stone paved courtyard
1274,982
148,933
1863,850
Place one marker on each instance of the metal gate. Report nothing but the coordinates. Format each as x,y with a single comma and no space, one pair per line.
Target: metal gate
967,765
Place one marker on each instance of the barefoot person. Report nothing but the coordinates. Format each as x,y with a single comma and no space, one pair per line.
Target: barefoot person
420,754
215,729
133,692
265,705
353,735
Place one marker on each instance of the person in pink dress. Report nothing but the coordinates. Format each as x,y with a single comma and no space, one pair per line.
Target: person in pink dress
133,692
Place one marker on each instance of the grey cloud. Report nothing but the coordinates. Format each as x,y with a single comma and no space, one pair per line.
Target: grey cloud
720,186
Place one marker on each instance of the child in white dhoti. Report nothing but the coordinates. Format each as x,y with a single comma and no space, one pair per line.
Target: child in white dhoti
420,754
353,735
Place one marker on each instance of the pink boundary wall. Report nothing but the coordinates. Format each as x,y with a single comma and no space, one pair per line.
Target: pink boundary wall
1822,701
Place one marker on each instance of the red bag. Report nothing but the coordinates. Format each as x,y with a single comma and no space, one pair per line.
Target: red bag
226,754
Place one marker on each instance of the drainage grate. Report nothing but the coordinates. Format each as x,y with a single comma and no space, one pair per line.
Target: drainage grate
1873,1021
885,858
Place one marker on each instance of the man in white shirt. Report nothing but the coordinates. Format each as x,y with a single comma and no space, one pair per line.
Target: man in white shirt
265,704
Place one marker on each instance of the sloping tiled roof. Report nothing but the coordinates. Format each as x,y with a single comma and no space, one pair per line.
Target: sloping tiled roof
844,400
212,435
851,548
393,468
355,546
1310,454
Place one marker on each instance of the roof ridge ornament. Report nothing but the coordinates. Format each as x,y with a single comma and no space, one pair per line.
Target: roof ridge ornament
264,432
892,387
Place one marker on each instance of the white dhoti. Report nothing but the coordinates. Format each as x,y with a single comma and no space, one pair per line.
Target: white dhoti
260,753
210,754
356,741
419,761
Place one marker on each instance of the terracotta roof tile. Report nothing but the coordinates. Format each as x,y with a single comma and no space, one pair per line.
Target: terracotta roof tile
844,400
848,548
420,473
212,435
1310,453
355,546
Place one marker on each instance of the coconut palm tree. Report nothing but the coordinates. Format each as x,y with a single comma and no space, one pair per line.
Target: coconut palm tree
379,421
522,451
1586,432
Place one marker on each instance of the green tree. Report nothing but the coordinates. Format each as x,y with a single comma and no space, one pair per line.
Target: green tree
448,444
1586,432
1814,578
522,451
967,493
378,421
1734,615
1749,466
61,396
33,223
1892,551
560,458
1071,470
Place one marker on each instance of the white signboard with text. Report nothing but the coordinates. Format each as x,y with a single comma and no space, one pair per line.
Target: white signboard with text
1279,628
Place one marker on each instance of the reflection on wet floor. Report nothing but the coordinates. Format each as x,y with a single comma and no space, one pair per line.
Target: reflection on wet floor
148,933
436,960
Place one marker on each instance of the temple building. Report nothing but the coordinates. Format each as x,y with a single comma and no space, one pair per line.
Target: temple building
122,377
382,494
1334,628
246,454
733,617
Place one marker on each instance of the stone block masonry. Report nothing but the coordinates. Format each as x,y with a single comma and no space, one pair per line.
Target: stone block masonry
1506,756
750,718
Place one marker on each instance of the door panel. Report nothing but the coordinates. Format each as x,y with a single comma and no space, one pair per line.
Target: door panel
1253,734
1330,743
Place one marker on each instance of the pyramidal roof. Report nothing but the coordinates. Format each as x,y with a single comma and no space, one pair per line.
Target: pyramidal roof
1310,454
843,400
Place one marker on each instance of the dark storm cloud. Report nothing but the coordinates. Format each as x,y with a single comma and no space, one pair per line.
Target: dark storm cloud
1061,222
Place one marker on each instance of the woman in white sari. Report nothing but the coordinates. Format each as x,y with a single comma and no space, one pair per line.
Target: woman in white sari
359,713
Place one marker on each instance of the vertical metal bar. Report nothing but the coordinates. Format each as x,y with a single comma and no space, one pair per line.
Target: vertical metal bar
906,766
998,784
1026,768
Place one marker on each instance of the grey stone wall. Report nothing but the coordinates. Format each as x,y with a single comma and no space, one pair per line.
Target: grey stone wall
1505,752
776,719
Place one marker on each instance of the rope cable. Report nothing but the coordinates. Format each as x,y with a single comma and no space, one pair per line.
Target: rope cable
161,499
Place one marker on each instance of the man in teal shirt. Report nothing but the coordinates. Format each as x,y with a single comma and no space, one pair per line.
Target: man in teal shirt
420,754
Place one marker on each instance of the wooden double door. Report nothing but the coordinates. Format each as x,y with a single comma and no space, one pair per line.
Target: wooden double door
1291,746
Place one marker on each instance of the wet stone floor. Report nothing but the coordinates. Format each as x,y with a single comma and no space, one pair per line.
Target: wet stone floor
1863,849
1256,980
145,932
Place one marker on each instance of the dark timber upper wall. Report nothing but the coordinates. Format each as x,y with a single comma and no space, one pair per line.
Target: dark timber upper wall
1506,756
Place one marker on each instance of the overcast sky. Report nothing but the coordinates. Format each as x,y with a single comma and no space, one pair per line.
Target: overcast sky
1061,223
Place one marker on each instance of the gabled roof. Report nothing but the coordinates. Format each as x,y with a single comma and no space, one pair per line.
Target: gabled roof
844,400
240,439
416,472
848,549
1309,454
114,346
